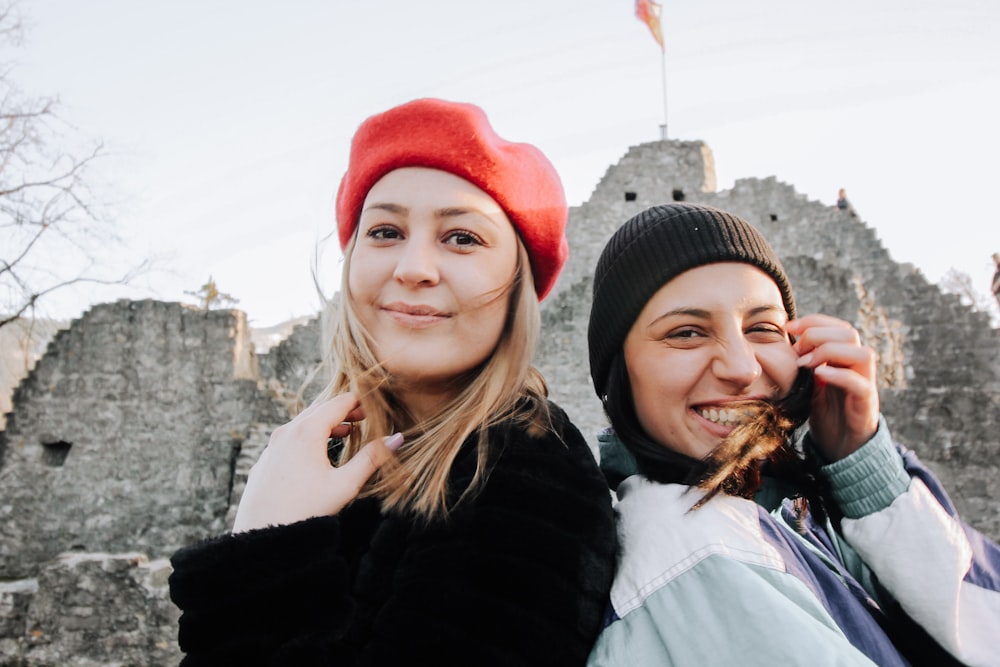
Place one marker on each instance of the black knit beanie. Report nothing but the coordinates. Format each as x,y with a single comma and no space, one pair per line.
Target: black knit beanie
651,249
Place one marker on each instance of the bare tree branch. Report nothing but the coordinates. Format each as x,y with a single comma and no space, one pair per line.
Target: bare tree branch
55,227
961,284
32,299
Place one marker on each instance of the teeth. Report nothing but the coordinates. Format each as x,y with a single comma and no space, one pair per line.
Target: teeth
723,415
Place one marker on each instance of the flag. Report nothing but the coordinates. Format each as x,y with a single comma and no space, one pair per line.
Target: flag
648,12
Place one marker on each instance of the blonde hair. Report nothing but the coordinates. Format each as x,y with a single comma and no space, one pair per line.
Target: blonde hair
504,387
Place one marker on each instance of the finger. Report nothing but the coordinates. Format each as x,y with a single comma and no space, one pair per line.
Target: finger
841,355
311,409
801,327
844,378
341,430
319,406
800,324
355,415
814,337
838,354
328,415
344,428
859,402
359,469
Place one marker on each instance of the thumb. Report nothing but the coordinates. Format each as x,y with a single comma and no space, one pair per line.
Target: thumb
370,458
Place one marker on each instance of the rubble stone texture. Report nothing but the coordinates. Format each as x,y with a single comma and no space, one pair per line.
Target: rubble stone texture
134,433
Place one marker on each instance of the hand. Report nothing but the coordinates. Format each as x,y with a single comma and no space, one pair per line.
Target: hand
293,479
845,404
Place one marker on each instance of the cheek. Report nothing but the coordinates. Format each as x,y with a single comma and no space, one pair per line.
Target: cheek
488,276
660,401
655,382
488,323
780,364
360,275
482,292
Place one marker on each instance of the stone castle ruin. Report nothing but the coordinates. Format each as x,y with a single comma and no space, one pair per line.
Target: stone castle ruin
134,433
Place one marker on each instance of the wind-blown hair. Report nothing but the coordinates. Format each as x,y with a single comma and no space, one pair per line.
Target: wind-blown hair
763,446
505,387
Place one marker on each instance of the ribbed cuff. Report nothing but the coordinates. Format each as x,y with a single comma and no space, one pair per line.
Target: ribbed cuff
616,461
869,479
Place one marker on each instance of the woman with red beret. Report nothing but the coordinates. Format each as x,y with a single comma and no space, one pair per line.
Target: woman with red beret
463,519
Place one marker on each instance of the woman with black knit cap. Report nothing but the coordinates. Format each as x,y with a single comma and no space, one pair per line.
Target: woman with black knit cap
463,520
742,545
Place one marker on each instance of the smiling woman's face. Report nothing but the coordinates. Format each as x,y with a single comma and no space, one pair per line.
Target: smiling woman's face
430,274
708,341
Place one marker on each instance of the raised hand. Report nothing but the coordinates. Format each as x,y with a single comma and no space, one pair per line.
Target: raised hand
293,479
845,404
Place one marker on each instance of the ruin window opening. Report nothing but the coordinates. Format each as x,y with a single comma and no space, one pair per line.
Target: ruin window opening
235,448
54,453
774,217
678,195
629,196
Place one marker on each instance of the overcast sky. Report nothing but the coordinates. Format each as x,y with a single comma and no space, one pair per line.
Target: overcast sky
228,122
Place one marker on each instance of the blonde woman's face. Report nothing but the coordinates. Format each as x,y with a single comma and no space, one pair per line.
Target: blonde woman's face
430,274
708,341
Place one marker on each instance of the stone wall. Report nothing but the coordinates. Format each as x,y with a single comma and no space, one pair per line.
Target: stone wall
134,434
123,439
124,435
90,610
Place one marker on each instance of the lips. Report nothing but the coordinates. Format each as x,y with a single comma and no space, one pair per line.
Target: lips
414,315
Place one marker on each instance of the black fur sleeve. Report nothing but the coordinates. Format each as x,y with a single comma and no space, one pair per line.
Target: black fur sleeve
250,598
520,576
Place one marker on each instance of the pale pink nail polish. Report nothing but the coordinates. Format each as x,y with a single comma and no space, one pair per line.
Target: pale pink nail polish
393,442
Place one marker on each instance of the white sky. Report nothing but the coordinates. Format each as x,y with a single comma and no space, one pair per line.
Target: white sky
229,120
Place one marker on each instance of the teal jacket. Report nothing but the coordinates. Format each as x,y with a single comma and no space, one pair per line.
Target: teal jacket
738,582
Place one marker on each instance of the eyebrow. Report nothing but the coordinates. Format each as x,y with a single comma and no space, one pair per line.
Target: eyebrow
391,208
702,314
455,211
446,212
691,312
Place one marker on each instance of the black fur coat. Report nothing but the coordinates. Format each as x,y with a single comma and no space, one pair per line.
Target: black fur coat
518,576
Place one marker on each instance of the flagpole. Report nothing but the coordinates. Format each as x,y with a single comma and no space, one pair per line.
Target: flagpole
648,12
663,72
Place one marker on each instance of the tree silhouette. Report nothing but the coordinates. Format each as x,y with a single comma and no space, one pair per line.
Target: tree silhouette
960,283
210,297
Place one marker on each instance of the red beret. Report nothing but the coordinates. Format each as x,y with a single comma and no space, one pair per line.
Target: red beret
457,138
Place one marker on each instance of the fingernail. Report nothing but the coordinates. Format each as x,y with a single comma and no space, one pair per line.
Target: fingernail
393,442
805,359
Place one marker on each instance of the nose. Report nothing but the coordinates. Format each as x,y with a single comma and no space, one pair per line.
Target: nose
417,263
736,364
